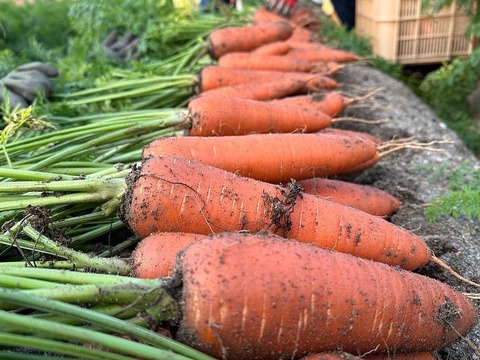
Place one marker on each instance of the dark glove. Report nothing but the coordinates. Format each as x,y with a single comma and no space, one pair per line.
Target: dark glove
121,49
282,7
25,83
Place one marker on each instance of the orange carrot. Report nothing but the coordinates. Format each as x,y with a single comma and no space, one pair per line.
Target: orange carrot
154,256
323,54
274,48
254,297
297,156
275,89
331,103
212,77
367,198
238,60
180,195
225,115
246,38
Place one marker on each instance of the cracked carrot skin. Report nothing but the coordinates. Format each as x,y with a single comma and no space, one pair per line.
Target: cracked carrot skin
179,195
294,155
217,115
246,38
249,296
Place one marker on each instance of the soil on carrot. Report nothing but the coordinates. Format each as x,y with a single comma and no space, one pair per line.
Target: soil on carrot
282,208
412,176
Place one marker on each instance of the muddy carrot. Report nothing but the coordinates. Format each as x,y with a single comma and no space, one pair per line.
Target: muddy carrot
179,195
256,297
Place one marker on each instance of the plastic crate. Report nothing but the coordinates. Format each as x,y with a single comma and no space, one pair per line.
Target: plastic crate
400,32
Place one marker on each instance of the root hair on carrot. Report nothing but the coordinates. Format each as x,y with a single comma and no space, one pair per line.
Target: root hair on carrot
363,121
451,271
391,146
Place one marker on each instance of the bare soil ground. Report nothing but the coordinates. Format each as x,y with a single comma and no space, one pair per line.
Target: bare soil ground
455,241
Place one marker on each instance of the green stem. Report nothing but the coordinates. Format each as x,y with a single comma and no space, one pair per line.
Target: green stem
105,187
8,355
59,347
25,283
82,260
86,236
132,93
29,175
29,324
67,277
17,204
10,240
90,316
109,138
135,83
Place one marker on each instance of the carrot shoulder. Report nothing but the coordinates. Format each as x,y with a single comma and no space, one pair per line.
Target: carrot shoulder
179,195
246,38
367,198
225,115
256,297
273,158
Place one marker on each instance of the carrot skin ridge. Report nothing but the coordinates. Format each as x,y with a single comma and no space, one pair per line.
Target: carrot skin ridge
301,299
178,195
